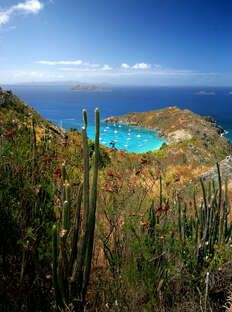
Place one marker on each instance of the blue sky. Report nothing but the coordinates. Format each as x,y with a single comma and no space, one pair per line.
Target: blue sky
148,42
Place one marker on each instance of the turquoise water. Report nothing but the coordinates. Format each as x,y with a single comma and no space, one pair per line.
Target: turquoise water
229,134
128,138
59,103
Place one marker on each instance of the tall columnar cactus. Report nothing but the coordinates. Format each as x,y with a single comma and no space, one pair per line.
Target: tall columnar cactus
210,224
179,219
92,211
73,251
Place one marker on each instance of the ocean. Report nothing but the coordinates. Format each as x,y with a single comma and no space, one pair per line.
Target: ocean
63,106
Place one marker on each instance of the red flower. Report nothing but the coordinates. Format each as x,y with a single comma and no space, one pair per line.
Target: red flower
8,134
48,158
159,208
167,206
110,173
57,173
108,189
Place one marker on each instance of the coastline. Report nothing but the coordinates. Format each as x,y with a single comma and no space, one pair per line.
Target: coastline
172,124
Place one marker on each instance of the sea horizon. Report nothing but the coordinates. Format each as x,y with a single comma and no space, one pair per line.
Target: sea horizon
63,106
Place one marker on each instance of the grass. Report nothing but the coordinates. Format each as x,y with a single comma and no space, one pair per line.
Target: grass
156,236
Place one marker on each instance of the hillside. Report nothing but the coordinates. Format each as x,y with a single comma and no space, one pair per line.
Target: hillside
14,110
173,124
158,230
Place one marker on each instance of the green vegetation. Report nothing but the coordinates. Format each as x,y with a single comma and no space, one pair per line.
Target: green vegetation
72,264
162,241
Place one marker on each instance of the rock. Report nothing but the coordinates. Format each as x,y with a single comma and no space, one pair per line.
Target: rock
225,168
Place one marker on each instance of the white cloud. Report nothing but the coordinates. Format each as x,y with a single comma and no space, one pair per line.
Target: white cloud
29,6
116,75
125,66
4,18
76,63
142,66
53,63
106,67
87,64
26,7
76,69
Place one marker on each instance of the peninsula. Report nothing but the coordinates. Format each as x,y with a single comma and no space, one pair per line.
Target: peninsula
173,124
193,143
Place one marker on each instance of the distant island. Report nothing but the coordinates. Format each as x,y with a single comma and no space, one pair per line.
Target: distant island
89,88
202,92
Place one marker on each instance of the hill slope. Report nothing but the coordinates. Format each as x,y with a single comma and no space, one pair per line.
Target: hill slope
143,261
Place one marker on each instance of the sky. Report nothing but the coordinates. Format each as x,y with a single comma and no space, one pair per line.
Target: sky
123,42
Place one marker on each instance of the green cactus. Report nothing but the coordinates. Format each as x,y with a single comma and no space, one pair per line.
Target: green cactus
71,269
55,265
93,204
210,224
179,219
76,233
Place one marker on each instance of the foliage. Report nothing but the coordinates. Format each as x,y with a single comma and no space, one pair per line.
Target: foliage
72,255
156,237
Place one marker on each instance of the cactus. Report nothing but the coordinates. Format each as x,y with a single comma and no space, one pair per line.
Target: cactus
179,219
54,266
34,140
77,223
210,224
72,255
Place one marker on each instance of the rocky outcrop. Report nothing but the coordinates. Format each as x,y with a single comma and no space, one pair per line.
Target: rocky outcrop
225,168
